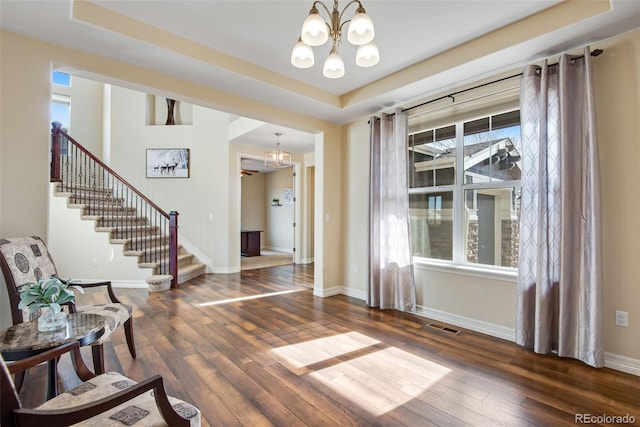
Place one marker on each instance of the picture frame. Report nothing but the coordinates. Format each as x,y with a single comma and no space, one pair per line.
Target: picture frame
168,163
288,196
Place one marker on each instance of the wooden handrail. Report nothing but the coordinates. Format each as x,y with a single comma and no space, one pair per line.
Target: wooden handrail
57,131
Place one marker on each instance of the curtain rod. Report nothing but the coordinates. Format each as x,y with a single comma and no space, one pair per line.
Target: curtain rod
596,52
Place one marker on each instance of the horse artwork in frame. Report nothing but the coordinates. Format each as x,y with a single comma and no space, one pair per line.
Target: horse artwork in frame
167,163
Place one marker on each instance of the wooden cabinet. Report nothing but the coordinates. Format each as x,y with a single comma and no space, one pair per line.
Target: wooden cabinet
250,243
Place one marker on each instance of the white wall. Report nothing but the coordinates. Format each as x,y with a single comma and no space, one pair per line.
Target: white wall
86,113
279,233
195,198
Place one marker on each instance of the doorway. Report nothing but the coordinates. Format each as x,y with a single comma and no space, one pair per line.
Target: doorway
268,208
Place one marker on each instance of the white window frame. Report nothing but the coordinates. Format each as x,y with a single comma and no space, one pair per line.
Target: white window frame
458,262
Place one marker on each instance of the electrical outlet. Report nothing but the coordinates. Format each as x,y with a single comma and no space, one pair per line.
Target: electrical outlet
356,269
95,262
622,318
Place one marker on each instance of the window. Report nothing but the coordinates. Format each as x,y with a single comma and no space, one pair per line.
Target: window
61,103
464,191
61,109
62,79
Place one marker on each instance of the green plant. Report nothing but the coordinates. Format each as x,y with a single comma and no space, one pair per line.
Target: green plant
51,292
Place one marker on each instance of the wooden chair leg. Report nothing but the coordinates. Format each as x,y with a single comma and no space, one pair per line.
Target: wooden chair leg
97,352
19,380
128,332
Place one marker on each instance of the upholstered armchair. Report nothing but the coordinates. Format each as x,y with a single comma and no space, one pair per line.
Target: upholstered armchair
26,259
107,400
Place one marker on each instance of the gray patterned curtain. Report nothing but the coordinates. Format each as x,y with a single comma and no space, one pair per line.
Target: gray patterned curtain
391,280
560,268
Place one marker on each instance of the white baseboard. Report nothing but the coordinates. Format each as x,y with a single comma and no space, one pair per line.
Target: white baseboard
483,327
340,290
354,293
613,361
328,292
130,284
306,261
622,363
274,248
224,270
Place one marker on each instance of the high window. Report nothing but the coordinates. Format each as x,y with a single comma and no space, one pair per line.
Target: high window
464,190
61,102
60,99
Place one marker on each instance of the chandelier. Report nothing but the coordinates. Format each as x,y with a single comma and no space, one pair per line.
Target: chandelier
277,158
316,31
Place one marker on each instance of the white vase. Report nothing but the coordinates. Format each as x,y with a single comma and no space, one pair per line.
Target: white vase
50,321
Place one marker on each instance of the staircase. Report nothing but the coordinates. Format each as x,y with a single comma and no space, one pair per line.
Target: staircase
134,222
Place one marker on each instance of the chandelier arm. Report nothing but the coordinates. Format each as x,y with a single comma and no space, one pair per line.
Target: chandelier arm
318,2
342,25
345,9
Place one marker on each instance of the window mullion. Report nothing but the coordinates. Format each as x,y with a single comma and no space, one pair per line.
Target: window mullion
458,198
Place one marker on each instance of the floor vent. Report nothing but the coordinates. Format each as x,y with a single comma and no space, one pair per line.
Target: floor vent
442,328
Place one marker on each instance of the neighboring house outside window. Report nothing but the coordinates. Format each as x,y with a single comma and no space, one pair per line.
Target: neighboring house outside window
464,191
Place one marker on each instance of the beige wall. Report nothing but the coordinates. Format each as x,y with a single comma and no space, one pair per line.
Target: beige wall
253,207
24,135
356,154
24,132
307,207
617,82
488,303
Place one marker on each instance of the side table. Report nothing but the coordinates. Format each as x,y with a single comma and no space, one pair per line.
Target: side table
23,340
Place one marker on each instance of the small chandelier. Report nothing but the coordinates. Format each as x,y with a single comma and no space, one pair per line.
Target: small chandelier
277,158
316,31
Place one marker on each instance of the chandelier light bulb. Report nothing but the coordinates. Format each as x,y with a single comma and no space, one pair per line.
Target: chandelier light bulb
333,66
302,55
360,30
367,55
314,30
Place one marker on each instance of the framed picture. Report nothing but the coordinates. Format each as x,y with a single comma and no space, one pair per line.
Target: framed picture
288,196
167,163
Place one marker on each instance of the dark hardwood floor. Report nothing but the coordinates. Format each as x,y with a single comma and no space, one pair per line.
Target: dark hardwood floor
258,349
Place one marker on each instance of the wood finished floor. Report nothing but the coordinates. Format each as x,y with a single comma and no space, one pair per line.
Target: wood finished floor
258,349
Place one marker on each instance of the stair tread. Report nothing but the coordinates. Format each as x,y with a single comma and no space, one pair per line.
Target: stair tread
191,267
127,222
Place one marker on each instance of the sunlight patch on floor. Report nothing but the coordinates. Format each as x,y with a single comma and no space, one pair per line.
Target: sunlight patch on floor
249,297
378,381
383,380
315,351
